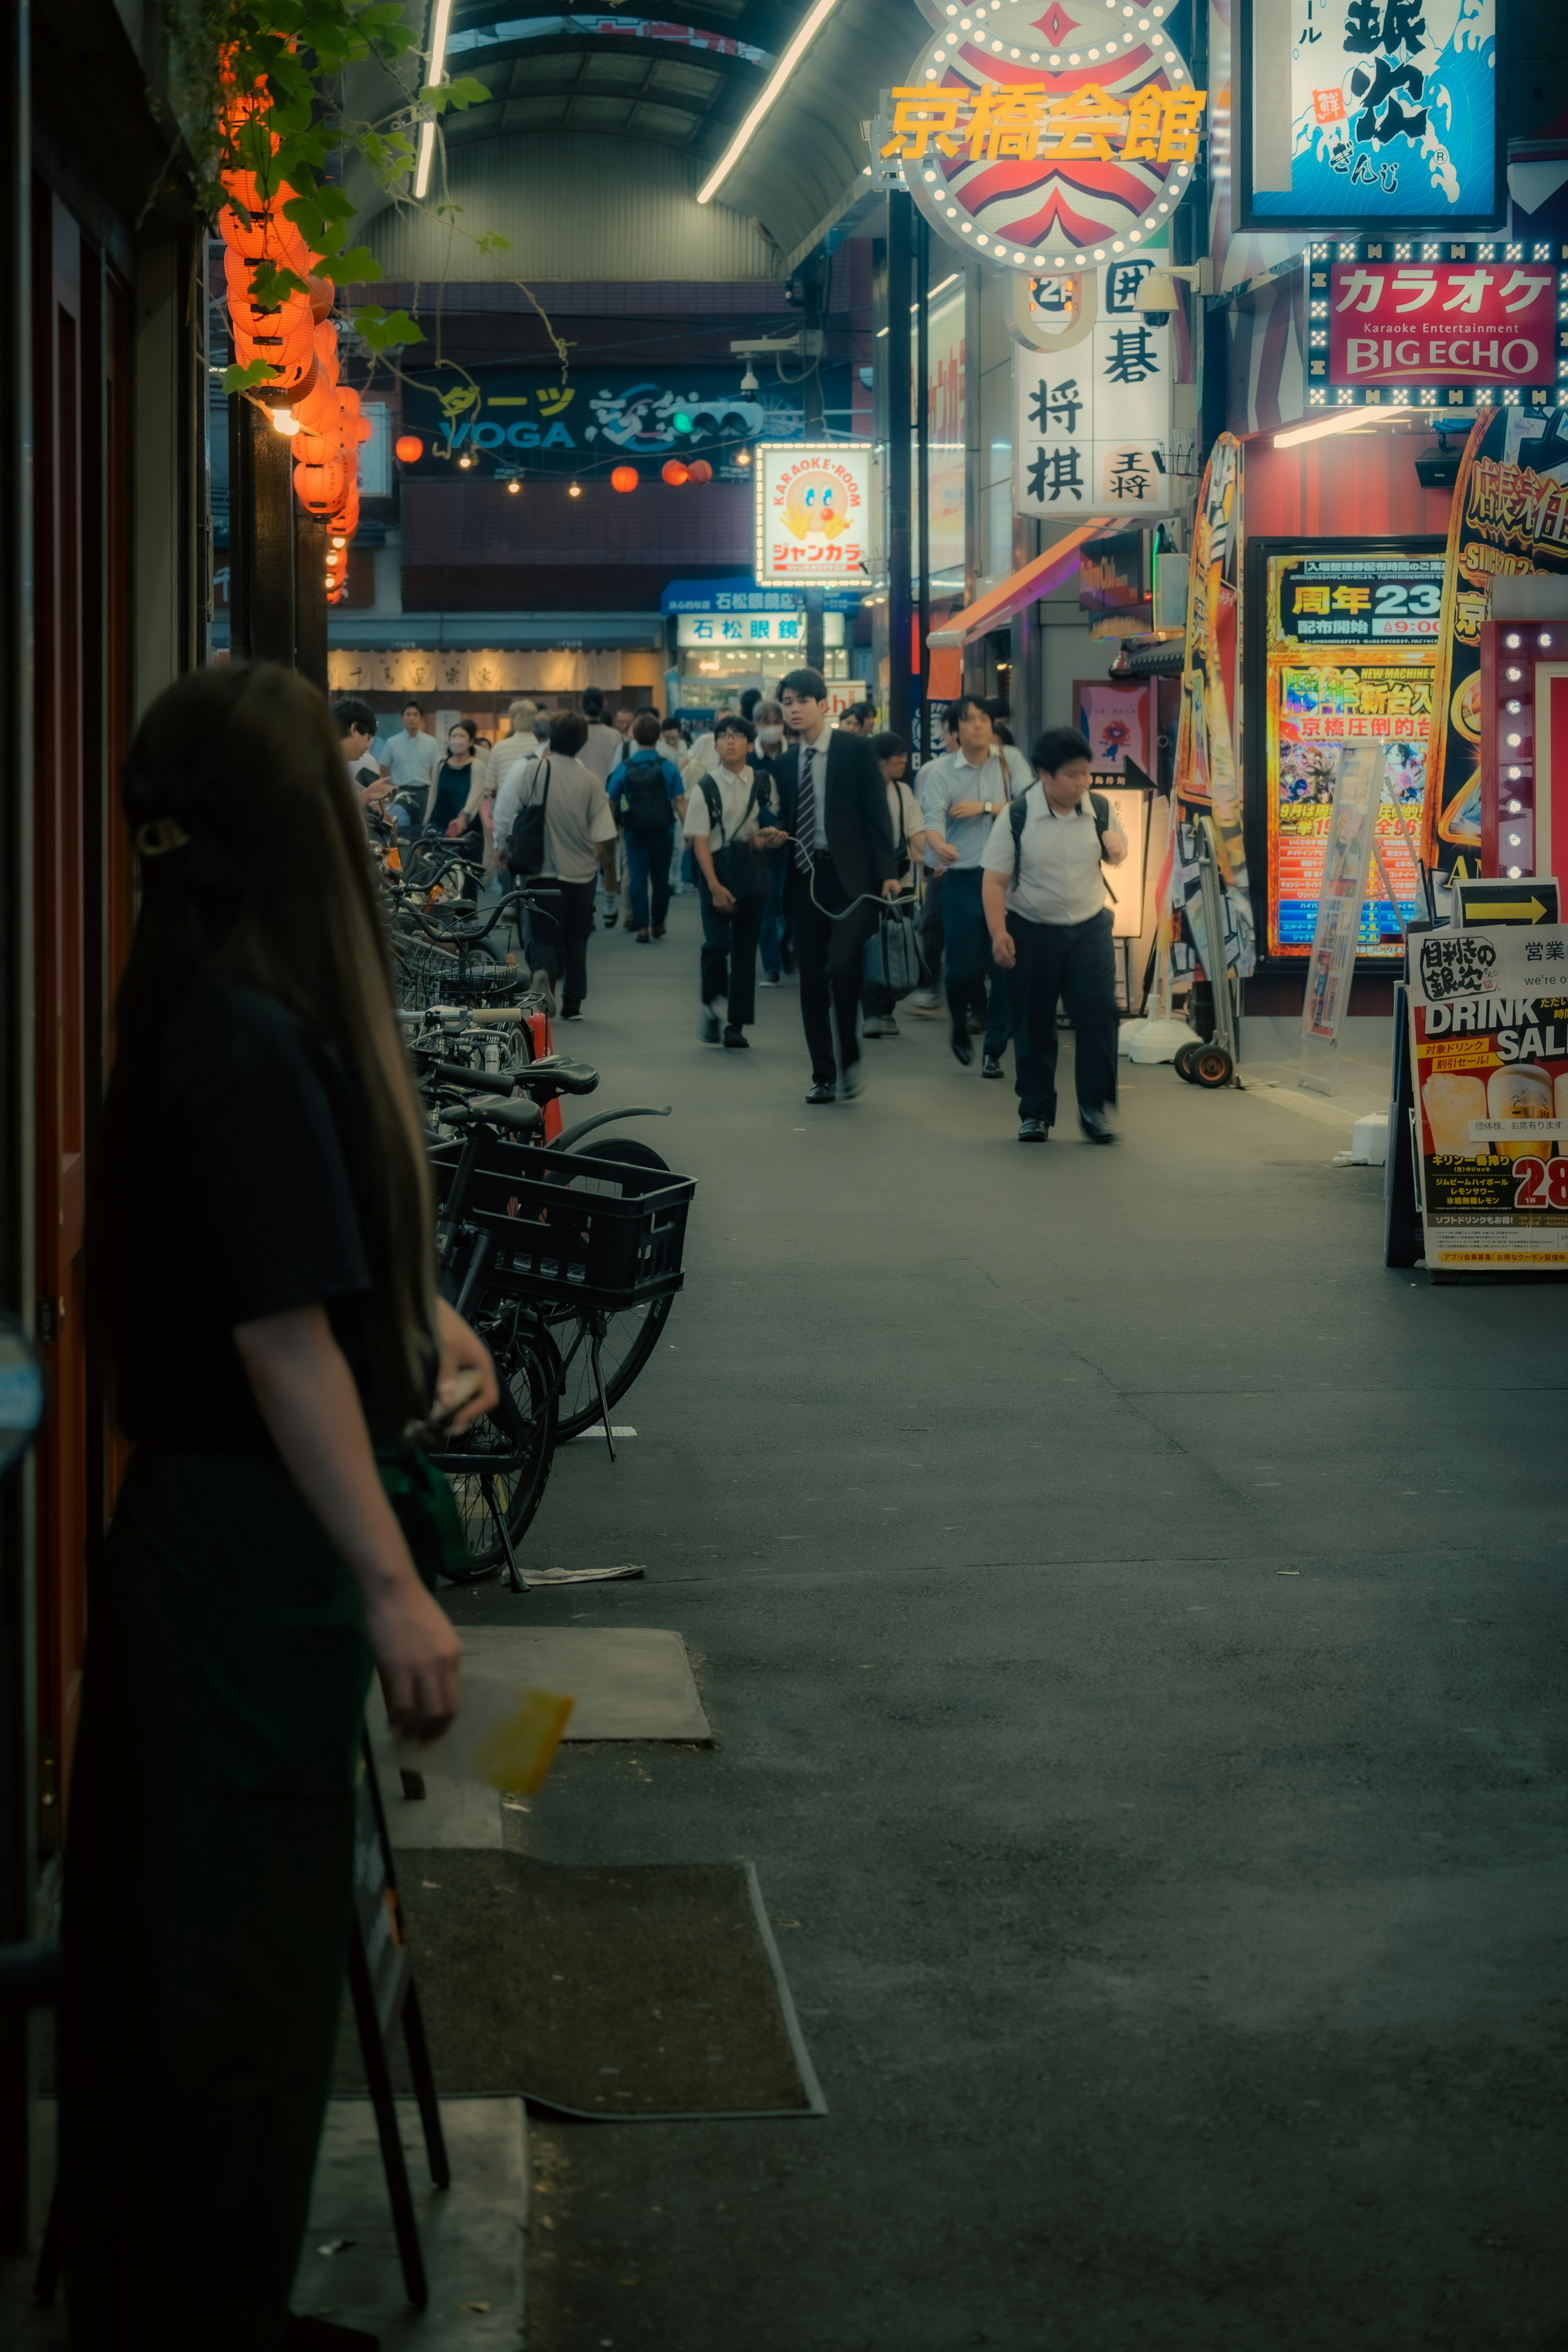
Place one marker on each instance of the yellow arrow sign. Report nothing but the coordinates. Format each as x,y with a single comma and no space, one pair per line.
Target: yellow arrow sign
1476,913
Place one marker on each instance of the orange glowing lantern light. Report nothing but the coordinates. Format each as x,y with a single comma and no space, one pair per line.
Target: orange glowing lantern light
675,473
409,448
700,470
625,477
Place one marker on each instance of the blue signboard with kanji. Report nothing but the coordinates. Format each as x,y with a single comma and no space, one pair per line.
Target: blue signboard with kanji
1361,114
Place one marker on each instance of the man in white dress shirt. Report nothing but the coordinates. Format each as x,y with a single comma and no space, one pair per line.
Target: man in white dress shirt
1051,924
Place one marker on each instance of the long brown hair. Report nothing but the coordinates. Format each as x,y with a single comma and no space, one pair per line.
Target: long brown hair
254,869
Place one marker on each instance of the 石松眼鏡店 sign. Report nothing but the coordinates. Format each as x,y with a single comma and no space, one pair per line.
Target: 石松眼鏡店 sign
1353,114
1471,322
1489,1051
813,512
1046,139
753,629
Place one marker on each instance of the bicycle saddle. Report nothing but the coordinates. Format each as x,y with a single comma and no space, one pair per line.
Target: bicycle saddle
562,1076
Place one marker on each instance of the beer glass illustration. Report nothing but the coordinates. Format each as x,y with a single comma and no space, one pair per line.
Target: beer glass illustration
1521,1090
1452,1100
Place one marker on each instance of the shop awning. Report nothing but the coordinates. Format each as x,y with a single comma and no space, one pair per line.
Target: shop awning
998,607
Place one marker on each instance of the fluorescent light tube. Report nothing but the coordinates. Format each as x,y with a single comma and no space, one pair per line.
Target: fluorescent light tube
776,80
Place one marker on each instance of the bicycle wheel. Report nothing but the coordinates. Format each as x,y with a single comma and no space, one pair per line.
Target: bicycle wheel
526,1361
626,1340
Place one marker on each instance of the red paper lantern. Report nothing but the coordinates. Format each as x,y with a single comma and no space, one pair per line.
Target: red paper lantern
700,470
675,473
625,477
409,448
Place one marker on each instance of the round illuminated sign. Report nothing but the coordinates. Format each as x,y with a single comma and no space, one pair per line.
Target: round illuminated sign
1047,140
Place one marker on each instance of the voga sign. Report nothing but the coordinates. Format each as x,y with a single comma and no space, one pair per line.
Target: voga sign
523,433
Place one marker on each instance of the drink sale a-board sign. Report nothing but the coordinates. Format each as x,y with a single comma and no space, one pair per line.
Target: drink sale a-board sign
1351,660
1489,1048
1510,516
1046,139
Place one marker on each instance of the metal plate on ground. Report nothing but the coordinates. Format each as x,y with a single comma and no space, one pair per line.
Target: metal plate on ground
629,1683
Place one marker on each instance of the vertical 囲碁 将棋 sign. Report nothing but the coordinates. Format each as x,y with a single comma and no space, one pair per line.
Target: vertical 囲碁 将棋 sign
1091,431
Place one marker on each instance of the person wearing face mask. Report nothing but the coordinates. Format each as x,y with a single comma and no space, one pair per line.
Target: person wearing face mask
450,784
773,940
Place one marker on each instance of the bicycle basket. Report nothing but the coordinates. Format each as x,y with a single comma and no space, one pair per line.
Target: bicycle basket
591,1233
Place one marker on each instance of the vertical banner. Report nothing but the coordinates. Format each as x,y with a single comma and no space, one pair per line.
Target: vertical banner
1358,788
1489,1050
1510,515
1207,770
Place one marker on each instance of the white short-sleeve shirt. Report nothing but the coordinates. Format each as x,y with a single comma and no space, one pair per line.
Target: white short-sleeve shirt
1059,878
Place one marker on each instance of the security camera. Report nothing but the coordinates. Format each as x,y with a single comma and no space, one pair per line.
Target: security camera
748,381
1157,297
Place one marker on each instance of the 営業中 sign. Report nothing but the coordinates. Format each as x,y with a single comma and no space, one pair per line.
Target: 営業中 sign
1366,112
813,512
1487,322
1038,140
1489,1048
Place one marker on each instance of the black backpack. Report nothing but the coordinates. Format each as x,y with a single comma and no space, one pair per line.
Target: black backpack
642,802
525,842
1018,817
738,863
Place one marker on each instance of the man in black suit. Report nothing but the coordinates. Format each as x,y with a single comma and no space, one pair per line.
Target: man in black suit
833,812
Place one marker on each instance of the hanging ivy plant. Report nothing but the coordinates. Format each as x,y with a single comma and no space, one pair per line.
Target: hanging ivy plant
260,90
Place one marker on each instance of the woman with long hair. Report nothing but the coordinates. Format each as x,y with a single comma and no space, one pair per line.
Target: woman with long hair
260,1280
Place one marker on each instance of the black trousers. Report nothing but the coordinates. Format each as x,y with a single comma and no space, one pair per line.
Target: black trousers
558,941
1074,962
729,955
831,957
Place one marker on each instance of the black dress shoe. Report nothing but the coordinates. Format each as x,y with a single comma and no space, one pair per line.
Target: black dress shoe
734,1035
822,1091
1097,1127
962,1050
1033,1131
991,1067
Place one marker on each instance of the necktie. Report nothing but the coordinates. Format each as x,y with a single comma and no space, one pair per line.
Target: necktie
806,810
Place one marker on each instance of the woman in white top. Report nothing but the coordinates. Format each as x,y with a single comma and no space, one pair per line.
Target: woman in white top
727,809
910,831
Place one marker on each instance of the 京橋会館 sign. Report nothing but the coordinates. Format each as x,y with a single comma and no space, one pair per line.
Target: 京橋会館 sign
1046,139
1357,114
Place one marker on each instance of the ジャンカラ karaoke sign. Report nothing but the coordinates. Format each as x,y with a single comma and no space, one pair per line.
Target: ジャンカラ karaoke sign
1046,140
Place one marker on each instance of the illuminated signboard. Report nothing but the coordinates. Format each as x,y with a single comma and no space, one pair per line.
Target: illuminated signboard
1369,114
814,513
746,629
1092,421
1492,321
1046,139
1351,659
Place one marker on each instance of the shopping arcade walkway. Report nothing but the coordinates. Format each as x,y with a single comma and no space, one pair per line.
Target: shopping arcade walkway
1131,1620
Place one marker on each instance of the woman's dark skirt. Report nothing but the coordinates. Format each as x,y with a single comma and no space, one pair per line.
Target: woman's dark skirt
207,1898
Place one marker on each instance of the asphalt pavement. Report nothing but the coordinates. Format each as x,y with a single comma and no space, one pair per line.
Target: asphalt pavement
1165,1850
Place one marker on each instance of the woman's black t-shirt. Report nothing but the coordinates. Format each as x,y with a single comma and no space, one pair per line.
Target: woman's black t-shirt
252,1149
451,791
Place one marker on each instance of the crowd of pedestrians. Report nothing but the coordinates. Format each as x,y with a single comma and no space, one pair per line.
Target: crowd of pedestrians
973,888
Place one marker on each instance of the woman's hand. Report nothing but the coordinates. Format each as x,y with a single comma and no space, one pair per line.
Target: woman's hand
723,900
462,1350
419,1657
